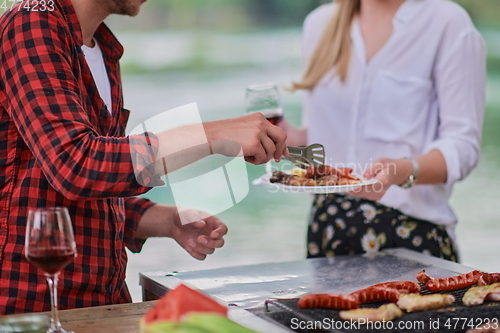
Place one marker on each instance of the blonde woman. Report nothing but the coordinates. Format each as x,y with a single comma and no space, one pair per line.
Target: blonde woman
396,89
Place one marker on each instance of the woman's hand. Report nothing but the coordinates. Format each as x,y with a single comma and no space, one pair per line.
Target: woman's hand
201,237
296,136
387,172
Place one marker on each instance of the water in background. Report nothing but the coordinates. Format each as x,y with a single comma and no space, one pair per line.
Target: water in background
169,69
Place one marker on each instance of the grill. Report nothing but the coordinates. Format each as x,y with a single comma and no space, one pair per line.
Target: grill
248,287
455,318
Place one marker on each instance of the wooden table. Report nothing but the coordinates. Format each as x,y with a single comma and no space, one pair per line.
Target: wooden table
123,318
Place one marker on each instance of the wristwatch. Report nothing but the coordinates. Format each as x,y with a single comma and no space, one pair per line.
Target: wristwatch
412,179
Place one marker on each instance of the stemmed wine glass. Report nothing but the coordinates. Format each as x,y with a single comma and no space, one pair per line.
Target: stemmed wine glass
264,98
50,245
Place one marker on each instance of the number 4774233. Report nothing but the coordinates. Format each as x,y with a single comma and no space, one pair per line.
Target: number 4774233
8,4
29,5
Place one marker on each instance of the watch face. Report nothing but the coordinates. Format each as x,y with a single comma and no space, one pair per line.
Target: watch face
409,182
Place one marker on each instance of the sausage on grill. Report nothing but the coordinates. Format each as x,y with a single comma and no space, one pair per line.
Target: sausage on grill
454,282
409,286
376,294
487,279
328,301
422,277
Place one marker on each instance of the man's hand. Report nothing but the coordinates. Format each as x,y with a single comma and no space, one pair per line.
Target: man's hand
258,138
198,238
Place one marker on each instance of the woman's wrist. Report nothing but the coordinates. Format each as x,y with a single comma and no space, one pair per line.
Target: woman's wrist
403,170
297,136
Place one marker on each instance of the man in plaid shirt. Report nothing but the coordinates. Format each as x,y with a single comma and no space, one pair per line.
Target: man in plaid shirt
61,144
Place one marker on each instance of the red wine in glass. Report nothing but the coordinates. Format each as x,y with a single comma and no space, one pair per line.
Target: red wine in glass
274,116
264,98
50,245
51,260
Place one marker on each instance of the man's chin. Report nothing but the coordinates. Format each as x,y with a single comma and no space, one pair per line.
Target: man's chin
132,12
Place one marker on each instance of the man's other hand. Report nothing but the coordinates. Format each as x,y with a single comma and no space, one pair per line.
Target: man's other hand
199,238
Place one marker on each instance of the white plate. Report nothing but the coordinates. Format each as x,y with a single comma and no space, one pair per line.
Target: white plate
263,181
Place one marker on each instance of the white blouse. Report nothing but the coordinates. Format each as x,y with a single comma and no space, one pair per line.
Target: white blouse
424,90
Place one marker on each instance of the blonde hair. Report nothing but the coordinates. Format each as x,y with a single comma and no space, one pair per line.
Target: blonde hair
334,47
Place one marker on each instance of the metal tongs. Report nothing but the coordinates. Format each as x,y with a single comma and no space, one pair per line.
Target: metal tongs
303,156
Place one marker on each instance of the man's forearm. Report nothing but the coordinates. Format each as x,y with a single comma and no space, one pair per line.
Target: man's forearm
179,147
156,222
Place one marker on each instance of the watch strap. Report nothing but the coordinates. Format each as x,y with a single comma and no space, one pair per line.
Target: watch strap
412,179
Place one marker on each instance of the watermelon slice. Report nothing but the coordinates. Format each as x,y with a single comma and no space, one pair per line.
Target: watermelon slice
180,301
199,323
216,324
169,327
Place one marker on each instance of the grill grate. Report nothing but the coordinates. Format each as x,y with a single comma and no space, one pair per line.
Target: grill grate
456,318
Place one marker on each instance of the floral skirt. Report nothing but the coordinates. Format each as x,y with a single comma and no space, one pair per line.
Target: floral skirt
344,224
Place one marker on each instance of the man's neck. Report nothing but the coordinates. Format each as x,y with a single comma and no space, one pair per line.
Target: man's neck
90,15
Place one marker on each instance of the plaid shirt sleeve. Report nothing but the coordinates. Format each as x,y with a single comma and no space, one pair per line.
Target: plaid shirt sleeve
134,210
44,100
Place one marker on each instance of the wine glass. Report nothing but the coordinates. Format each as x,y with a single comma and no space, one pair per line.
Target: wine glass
264,98
50,245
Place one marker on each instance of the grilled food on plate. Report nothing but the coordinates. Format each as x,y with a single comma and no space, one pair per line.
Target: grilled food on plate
322,175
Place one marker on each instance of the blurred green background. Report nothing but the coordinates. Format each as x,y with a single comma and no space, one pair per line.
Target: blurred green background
244,14
206,51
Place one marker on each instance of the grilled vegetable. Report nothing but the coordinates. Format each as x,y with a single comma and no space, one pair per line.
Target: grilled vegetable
416,302
386,312
477,295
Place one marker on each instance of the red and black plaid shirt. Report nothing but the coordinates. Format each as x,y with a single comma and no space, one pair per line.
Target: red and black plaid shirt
59,146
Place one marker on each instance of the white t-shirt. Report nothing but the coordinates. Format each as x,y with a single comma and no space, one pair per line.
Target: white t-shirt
95,60
424,90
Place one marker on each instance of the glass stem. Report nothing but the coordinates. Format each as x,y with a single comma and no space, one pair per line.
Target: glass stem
55,324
